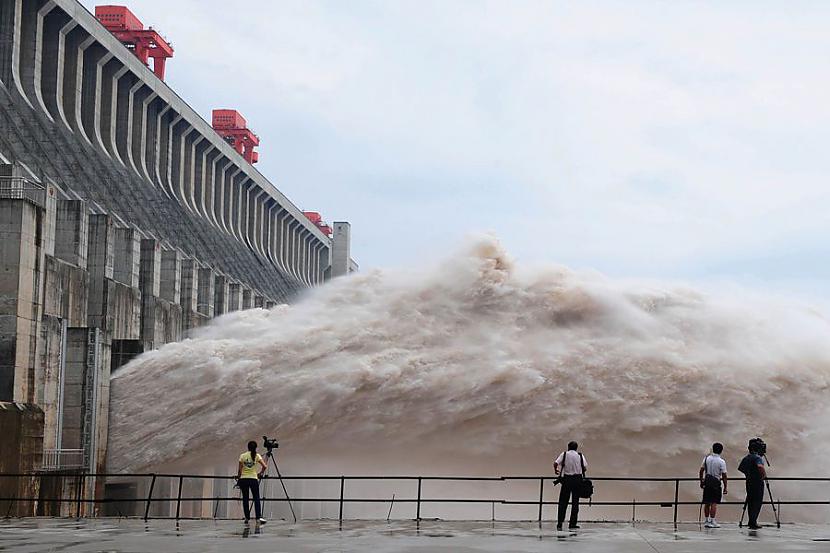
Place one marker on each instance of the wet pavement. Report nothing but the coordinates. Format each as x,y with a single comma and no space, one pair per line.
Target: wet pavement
134,536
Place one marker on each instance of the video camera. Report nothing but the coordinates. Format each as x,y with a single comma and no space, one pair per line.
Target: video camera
758,446
269,444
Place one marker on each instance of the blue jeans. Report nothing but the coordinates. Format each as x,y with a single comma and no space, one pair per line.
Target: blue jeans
250,486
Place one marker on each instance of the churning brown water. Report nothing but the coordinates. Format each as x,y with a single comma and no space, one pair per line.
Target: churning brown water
475,366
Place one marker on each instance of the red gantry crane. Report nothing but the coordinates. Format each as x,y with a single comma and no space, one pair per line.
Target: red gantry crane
145,43
231,126
317,219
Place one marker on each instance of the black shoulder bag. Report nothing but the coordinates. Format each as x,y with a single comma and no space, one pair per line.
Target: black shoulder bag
586,487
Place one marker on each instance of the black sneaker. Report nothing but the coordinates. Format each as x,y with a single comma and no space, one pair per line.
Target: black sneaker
559,527
754,527
573,527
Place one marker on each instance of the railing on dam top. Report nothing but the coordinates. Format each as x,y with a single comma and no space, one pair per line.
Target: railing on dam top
20,188
79,494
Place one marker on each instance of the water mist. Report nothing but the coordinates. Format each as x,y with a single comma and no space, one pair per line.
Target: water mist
476,367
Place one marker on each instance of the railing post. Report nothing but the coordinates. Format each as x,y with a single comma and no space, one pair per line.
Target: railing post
12,504
149,497
342,485
83,494
676,493
79,484
179,498
418,504
541,498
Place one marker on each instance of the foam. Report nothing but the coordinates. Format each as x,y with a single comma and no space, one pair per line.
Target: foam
476,366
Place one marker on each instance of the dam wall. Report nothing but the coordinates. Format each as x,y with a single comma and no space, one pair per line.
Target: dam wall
126,222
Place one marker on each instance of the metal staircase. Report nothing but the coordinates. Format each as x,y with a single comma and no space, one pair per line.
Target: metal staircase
90,397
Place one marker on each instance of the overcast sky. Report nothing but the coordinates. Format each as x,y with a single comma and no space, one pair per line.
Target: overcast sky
682,140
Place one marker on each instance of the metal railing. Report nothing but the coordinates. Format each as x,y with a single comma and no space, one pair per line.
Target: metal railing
21,188
62,459
80,497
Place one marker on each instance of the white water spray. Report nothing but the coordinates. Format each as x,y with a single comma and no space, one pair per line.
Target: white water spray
475,367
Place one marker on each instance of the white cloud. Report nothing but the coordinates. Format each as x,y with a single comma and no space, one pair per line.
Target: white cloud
645,137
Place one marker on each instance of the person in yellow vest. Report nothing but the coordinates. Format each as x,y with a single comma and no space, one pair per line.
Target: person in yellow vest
248,479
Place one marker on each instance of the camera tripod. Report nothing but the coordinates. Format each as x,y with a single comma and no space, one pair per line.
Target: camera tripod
270,455
771,501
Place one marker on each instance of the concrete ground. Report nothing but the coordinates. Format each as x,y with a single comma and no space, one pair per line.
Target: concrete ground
133,536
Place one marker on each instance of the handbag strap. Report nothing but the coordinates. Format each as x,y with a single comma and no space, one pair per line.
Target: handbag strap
565,456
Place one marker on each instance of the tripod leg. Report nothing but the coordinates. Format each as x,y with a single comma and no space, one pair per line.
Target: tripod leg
290,506
771,500
741,523
772,503
263,493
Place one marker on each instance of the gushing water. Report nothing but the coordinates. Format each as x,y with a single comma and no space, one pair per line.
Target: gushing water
476,367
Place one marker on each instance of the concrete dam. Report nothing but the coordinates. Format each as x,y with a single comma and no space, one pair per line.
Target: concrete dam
126,221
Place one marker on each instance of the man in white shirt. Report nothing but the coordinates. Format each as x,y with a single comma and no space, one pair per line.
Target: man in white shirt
712,473
570,466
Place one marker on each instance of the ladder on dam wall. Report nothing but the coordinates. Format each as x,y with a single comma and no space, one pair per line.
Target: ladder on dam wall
518,498
90,397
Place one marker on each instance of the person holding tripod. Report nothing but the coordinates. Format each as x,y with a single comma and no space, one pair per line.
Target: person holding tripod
247,478
753,468
570,467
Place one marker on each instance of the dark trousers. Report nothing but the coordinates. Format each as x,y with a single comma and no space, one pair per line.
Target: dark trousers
250,486
569,493
754,500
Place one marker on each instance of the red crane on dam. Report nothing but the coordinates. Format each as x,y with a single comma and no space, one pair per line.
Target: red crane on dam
145,43
231,126
317,219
